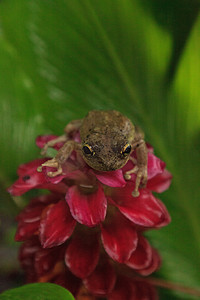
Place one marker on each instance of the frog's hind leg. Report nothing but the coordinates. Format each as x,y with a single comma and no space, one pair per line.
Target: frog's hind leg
60,158
73,126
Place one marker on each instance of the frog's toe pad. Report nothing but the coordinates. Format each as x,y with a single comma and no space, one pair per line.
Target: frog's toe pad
135,193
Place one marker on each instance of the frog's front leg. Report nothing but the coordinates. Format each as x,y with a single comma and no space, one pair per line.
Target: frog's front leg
70,128
140,168
50,144
62,155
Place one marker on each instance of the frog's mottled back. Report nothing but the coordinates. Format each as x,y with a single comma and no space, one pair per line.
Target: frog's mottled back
105,135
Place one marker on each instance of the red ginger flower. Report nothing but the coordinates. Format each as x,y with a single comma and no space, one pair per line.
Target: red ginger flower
58,248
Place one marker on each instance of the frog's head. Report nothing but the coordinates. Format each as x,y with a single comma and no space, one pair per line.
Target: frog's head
106,154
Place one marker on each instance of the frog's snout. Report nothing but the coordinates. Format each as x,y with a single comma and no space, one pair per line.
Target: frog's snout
109,165
109,168
105,167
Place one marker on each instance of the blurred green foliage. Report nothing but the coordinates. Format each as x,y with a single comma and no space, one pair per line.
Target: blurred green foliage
39,291
59,59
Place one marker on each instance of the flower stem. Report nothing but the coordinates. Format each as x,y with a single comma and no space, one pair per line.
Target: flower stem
157,282
170,285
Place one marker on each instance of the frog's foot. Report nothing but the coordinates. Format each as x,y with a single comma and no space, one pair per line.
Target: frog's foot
53,163
141,180
127,175
73,126
63,154
50,144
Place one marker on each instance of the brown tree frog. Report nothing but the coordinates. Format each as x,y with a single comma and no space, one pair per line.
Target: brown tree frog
107,140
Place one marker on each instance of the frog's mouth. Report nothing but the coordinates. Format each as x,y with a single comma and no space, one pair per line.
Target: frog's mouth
100,165
106,168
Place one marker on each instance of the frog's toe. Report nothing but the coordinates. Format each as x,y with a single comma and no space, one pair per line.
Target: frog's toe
135,193
53,174
127,176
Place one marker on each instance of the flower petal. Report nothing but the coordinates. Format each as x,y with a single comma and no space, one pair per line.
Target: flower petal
102,280
45,199
155,166
142,256
119,238
150,148
87,209
144,210
82,254
69,171
160,183
28,221
68,281
28,179
60,187
26,230
111,178
31,166
45,259
56,225
145,291
124,289
27,252
154,265
132,289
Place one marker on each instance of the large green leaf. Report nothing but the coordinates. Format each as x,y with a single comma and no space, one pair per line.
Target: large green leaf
62,58
37,291
178,17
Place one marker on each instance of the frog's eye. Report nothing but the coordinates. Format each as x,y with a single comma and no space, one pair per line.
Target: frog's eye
88,150
126,150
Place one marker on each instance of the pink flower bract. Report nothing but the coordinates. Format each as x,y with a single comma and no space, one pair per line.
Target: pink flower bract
89,226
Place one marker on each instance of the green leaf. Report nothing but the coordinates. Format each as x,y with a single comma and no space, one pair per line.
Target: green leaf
178,17
37,291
